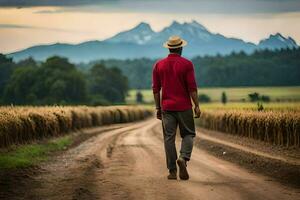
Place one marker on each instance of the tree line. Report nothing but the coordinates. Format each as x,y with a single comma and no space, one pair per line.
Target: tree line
57,81
262,68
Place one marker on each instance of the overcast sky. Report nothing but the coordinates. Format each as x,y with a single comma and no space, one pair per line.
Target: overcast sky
24,23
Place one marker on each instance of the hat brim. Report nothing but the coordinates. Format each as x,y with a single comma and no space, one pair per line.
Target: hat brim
184,43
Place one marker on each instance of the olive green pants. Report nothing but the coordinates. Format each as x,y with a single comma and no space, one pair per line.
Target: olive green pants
185,121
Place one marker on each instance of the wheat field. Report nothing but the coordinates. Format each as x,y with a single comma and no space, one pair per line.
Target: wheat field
279,127
19,125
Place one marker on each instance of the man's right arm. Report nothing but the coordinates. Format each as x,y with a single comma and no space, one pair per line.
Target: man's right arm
194,96
192,87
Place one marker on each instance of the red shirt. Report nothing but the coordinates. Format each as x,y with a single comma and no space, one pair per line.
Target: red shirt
175,76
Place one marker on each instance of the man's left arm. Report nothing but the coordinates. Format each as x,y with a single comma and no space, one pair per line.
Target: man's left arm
156,87
157,104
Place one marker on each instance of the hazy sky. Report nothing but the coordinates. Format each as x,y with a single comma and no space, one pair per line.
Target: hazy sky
24,23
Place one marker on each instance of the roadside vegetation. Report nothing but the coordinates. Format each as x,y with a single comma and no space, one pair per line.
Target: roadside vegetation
277,127
31,154
233,94
261,113
21,125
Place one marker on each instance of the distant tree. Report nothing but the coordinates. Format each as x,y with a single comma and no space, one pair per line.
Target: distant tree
253,97
56,81
6,69
28,62
260,106
224,98
108,82
138,71
256,97
19,89
265,98
97,100
261,68
58,63
139,97
204,98
60,82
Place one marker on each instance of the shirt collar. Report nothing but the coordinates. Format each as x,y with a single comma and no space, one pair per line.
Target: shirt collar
174,55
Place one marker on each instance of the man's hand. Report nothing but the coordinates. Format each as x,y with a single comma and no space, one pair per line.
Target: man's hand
158,114
197,112
157,104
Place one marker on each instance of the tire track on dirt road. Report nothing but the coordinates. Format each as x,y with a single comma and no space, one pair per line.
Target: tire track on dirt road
211,178
129,163
74,174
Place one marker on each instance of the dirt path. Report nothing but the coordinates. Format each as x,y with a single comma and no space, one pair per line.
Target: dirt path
129,163
250,150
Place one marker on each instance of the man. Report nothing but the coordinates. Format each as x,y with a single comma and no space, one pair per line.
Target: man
175,76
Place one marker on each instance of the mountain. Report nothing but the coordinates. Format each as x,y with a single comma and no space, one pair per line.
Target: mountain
201,41
277,41
142,41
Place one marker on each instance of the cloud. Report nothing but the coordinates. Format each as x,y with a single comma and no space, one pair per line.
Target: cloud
214,6
29,3
158,6
4,26
17,26
50,11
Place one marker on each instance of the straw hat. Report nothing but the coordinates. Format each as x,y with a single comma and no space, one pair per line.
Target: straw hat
174,42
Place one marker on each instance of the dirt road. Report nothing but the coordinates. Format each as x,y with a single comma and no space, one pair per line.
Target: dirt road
129,163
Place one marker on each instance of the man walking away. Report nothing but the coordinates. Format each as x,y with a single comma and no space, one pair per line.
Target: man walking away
175,76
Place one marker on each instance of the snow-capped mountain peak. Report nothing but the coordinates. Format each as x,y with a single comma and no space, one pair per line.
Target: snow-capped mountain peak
140,34
143,33
191,31
279,37
175,24
143,27
197,25
277,41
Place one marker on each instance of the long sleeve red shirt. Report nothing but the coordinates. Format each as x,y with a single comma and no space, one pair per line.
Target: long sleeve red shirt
175,76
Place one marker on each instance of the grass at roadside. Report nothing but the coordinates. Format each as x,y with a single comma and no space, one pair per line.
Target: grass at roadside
284,93
29,155
283,106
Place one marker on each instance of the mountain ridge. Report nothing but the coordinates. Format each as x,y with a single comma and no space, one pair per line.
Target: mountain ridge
143,41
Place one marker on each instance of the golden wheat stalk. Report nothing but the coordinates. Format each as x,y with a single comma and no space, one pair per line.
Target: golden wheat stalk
276,127
23,124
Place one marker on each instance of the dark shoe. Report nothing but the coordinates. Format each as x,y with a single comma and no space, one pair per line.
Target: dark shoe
183,173
172,175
